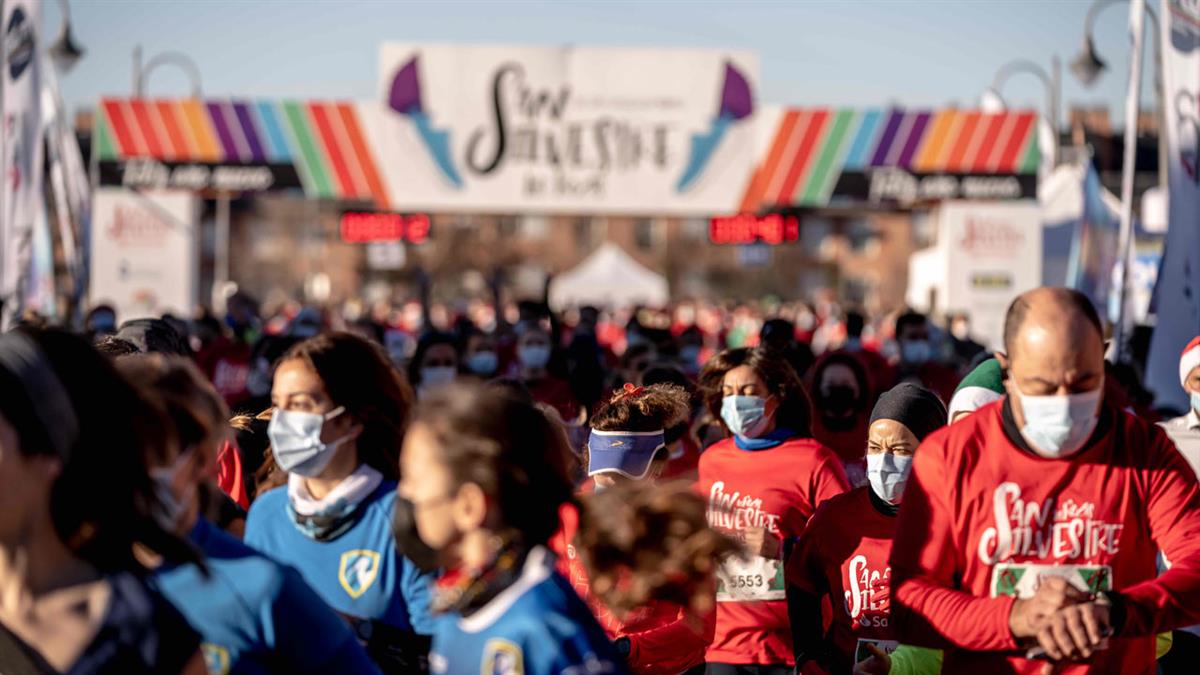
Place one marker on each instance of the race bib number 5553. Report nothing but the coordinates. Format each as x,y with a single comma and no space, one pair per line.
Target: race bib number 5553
750,579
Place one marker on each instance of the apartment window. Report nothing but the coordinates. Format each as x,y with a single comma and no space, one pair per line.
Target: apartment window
862,237
695,229
857,290
814,230
535,227
924,229
588,233
646,233
509,226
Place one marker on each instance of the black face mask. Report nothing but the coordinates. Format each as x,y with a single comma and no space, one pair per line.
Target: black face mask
408,542
839,401
838,406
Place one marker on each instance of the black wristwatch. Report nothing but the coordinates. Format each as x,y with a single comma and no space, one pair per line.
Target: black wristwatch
623,647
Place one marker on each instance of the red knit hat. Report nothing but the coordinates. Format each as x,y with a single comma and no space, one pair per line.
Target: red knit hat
1189,360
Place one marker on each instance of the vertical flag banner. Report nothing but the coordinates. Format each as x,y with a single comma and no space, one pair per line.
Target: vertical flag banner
20,148
1177,294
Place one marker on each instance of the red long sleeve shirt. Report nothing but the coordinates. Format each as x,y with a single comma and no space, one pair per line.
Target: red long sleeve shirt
843,554
984,520
778,489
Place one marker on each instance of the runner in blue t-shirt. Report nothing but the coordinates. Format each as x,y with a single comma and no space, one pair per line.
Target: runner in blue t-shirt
254,615
340,411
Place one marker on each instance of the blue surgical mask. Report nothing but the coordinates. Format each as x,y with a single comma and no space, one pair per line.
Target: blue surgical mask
296,441
436,376
534,356
746,416
483,364
916,351
888,473
1196,402
1058,426
171,509
690,355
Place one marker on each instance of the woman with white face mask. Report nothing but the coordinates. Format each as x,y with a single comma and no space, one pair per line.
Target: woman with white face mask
762,484
339,418
843,553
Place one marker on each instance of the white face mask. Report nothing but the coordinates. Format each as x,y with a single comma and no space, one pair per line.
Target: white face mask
888,474
1058,426
296,441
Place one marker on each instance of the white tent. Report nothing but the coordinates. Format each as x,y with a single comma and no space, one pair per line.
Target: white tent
609,277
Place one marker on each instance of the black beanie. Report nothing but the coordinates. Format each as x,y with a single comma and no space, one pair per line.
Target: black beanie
913,406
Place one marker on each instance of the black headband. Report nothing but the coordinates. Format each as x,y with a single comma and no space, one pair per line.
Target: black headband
913,406
21,357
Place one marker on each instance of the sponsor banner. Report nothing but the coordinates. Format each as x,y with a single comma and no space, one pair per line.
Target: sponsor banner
1177,292
20,148
565,129
818,156
144,252
993,254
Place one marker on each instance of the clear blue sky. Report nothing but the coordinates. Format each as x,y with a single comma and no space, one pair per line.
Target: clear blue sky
846,52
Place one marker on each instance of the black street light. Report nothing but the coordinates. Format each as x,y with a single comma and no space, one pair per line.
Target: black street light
65,51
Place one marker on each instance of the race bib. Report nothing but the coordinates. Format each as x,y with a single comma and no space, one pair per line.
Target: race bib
1023,579
861,653
750,579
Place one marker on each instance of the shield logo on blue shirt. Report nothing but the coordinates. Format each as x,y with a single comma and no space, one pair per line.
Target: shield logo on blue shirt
501,657
357,571
216,658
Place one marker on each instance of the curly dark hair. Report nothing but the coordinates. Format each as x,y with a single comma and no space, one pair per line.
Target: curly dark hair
795,406
644,543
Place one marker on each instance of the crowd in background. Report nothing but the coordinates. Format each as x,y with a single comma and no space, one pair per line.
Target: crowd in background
727,489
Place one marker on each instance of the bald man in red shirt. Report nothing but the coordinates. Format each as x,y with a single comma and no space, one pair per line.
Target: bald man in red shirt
1029,529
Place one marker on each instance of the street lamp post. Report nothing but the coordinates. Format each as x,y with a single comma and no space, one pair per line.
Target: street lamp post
141,72
65,51
1088,66
1052,81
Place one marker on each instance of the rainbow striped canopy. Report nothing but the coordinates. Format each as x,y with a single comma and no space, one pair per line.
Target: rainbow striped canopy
324,141
810,148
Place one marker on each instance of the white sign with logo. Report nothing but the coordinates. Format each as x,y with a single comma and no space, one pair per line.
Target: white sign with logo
995,254
144,256
565,129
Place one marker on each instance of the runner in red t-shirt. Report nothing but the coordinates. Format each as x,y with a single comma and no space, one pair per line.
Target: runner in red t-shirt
843,553
762,486
1030,528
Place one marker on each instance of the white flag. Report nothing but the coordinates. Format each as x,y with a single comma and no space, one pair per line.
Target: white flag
20,148
1177,293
